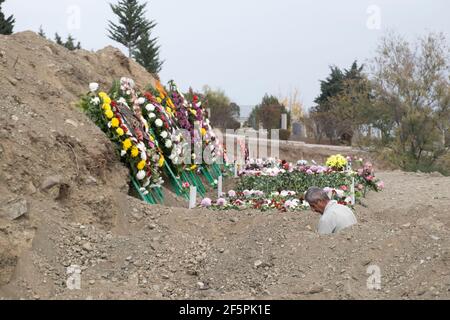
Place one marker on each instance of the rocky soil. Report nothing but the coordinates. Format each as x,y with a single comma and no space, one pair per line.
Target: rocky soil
64,201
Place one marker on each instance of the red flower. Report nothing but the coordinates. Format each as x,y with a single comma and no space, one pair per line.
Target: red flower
113,104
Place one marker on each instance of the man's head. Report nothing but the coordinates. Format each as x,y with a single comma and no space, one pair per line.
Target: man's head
318,199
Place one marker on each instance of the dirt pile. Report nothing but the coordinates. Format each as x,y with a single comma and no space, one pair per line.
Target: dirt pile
63,202
54,161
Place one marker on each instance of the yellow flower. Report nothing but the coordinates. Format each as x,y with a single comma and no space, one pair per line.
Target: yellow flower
170,103
109,114
203,132
337,162
115,123
106,106
141,165
169,110
106,99
134,152
194,167
194,112
127,144
152,139
162,161
159,100
120,132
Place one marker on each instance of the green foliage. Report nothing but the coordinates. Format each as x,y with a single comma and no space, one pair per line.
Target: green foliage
6,24
147,54
293,181
58,39
268,113
69,44
224,113
94,112
411,101
342,104
42,33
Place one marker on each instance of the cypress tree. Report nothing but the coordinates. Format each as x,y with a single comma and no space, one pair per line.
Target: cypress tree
41,32
58,39
132,24
147,54
6,24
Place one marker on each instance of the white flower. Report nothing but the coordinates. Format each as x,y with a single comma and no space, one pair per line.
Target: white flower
141,100
152,115
93,86
95,101
159,123
144,156
168,144
141,146
145,193
141,175
176,138
123,153
194,156
150,108
164,134
122,100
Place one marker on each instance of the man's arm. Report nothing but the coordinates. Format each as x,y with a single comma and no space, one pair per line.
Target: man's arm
326,226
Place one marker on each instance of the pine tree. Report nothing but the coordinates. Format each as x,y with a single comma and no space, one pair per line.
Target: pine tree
58,39
132,24
70,43
6,25
41,32
147,54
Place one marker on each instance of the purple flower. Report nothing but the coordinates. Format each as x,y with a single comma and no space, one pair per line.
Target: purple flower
309,172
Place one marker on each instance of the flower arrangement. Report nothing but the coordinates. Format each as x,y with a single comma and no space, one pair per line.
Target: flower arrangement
145,126
337,162
255,199
128,131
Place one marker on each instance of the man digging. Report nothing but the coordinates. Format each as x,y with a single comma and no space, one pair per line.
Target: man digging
335,217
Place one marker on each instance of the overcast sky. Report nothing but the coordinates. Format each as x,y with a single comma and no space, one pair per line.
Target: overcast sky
248,47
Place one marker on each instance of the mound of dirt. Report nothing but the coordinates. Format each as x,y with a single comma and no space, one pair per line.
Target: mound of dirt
54,161
64,203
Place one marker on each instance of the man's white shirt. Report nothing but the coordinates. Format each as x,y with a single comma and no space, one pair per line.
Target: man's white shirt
336,218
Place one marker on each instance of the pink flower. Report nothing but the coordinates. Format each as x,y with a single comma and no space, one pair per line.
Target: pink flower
309,172
247,193
360,187
344,188
206,203
380,185
186,185
360,172
370,178
232,194
221,202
